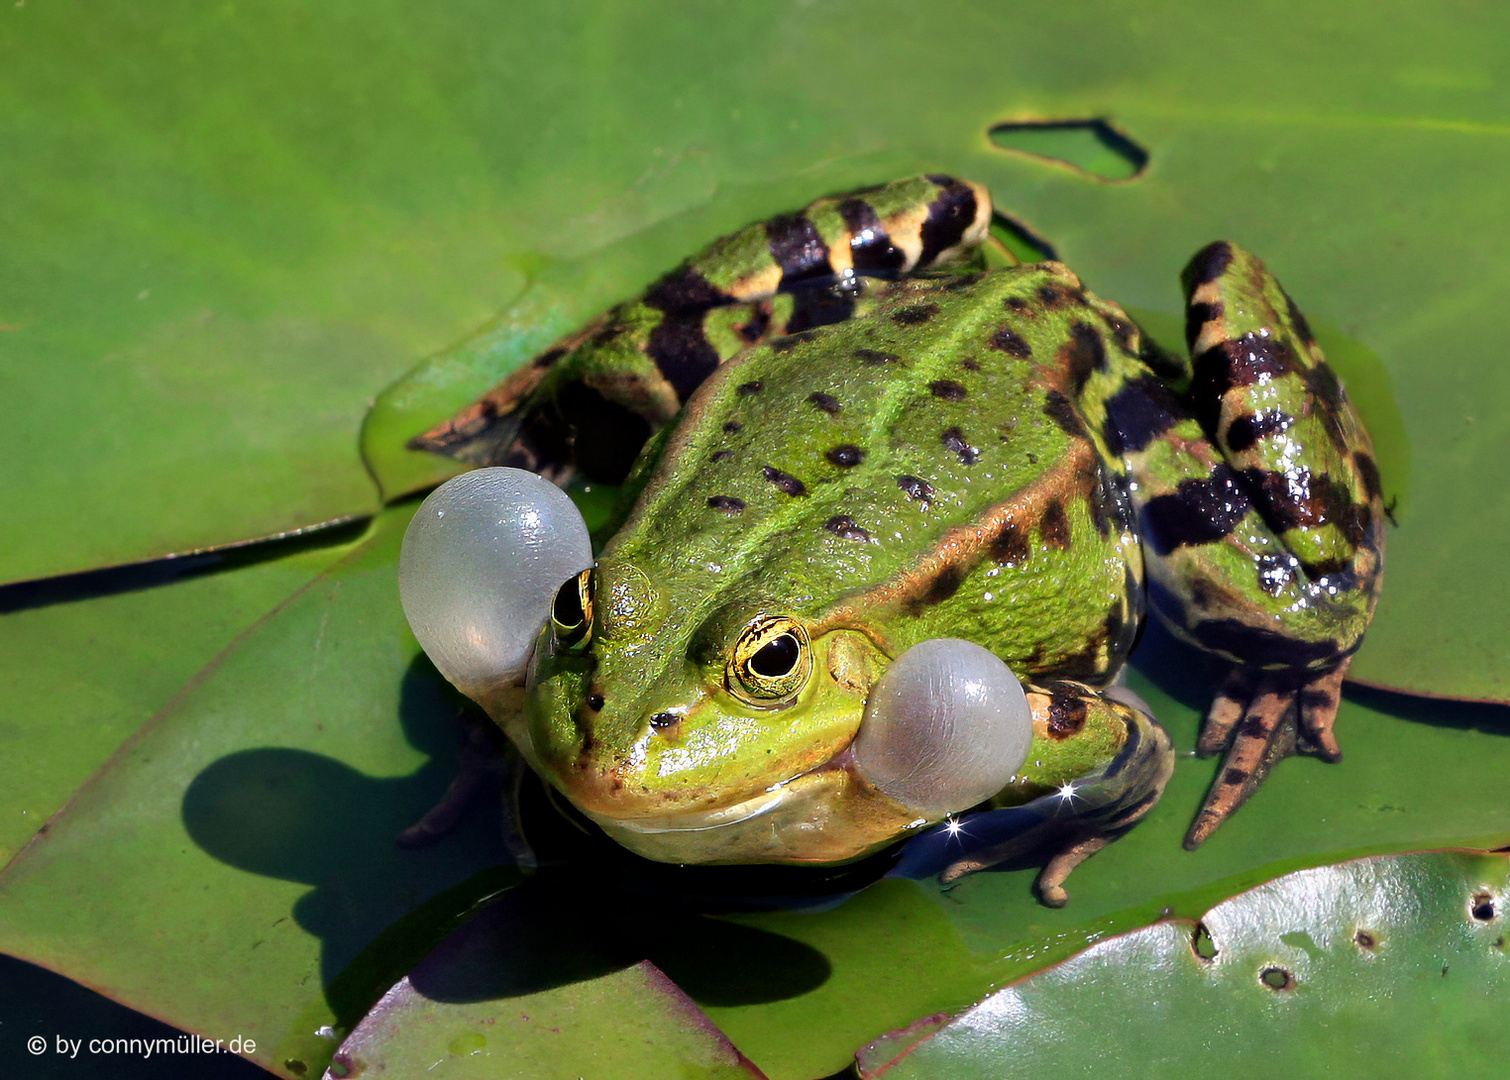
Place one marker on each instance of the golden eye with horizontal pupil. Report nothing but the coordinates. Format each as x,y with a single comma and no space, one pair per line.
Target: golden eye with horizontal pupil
571,613
772,660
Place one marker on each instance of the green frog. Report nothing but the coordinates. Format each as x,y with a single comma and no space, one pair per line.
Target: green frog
845,433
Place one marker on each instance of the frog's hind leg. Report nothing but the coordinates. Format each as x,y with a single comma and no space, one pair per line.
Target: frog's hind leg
1263,524
1084,810
589,403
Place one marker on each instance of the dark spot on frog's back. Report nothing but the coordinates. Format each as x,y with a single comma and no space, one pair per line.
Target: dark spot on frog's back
1010,342
1210,263
1011,547
947,389
939,588
918,490
1198,511
746,389
915,315
1197,316
1066,417
1066,715
785,481
1235,363
827,402
954,441
874,357
1083,354
1138,414
732,426
1054,526
727,503
845,455
844,527
1054,297
1299,321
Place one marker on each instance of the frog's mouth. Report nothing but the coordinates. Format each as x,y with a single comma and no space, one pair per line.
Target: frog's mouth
827,815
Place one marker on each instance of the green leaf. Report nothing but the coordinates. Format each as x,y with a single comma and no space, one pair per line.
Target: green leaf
623,1025
89,660
235,861
1395,966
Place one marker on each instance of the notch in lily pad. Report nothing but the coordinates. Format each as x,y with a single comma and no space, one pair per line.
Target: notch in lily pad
1089,146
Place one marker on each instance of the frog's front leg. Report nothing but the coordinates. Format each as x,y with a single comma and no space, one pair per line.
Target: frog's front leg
1262,519
1098,763
590,402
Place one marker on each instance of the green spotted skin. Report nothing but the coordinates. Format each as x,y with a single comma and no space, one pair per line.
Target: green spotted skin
860,430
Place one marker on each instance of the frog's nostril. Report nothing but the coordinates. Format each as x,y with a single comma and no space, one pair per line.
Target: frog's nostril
595,702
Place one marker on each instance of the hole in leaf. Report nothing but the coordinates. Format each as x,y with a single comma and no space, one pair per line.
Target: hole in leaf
1201,942
1024,244
1365,939
1483,907
1092,146
1277,978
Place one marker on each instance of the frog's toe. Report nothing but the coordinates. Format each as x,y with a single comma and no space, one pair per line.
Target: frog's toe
1050,883
1266,717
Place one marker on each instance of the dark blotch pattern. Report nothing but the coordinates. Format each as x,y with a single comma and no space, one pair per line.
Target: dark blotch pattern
1229,364
970,364
548,358
827,402
731,426
1262,646
920,490
870,247
1066,716
682,354
915,315
1054,297
874,357
949,215
1299,321
1197,316
1300,499
722,455
947,389
814,306
746,389
785,481
1066,417
662,720
1368,471
1084,353
1210,263
944,585
1054,526
684,291
1245,431
1011,546
727,503
798,249
1010,342
1198,511
1138,414
846,456
954,442
844,527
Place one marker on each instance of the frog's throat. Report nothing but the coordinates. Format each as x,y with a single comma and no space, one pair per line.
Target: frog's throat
824,816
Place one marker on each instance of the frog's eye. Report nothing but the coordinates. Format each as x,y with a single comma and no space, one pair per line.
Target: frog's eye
771,660
571,614
946,726
481,560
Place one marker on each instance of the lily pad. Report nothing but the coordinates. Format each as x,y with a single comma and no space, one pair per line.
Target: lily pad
1397,966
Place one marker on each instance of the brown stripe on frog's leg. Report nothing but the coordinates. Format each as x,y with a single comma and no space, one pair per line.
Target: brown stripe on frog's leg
1098,763
1264,393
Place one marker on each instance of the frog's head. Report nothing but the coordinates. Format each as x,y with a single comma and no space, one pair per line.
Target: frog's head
729,731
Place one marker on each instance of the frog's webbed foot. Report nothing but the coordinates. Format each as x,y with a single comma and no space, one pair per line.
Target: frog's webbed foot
1260,718
488,769
1082,816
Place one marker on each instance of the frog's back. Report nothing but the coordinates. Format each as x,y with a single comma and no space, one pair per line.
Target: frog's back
933,469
